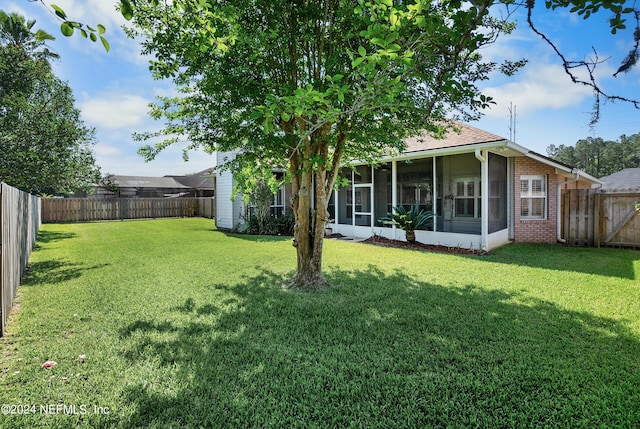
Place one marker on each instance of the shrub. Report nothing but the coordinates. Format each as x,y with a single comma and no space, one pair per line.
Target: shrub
281,225
409,220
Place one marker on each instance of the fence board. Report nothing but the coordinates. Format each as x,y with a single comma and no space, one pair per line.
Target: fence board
55,210
20,223
578,216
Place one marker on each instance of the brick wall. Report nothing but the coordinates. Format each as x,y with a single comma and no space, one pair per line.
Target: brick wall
539,231
536,231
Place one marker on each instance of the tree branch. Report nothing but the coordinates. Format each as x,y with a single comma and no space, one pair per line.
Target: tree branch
589,66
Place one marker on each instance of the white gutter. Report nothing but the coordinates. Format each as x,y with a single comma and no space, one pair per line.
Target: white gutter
559,205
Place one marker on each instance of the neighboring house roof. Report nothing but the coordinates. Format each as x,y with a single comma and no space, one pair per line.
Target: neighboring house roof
202,180
147,182
624,180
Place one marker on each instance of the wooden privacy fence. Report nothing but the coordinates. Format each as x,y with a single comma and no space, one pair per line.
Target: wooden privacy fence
91,209
593,218
20,223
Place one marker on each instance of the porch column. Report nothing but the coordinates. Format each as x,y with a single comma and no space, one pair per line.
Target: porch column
483,157
394,191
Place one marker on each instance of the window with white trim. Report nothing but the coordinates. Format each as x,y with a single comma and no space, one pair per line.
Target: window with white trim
467,197
533,197
278,206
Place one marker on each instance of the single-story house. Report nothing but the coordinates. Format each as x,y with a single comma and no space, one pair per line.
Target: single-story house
627,180
202,183
194,185
484,190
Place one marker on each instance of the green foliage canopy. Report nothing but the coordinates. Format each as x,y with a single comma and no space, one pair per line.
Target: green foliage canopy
600,157
45,146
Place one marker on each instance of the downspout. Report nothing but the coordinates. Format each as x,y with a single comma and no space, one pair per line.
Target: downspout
559,205
484,216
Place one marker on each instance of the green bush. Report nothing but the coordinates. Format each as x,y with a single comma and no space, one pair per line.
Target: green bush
280,225
409,220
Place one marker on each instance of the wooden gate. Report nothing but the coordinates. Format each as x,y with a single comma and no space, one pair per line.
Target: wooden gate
619,220
592,218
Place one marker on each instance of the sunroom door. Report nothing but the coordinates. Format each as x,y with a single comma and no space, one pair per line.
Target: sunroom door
363,205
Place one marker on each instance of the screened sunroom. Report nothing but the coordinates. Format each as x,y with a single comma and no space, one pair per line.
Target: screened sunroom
467,192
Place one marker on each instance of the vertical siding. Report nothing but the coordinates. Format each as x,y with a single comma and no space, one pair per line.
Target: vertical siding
228,212
224,206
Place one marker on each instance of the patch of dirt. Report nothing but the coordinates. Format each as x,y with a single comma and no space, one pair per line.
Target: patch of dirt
336,235
386,242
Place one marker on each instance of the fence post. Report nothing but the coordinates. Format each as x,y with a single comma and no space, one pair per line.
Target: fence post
597,225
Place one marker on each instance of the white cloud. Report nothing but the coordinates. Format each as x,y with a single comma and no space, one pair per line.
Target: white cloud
13,7
540,87
93,12
168,162
105,150
116,110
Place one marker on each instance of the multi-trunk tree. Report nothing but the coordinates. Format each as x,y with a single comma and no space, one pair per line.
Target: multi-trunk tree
307,85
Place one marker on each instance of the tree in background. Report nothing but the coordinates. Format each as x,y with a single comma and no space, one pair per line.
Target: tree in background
45,146
600,157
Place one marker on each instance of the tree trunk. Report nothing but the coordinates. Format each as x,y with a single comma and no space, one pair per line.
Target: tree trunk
308,230
311,186
411,236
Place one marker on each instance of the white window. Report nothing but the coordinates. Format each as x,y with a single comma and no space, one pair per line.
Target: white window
278,206
533,197
467,197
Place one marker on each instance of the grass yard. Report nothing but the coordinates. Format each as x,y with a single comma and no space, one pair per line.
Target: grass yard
184,326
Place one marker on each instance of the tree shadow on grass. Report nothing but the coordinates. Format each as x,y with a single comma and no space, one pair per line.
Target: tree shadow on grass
256,238
56,271
378,350
46,237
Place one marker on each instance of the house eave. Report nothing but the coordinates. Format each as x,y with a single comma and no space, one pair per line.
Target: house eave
454,150
564,170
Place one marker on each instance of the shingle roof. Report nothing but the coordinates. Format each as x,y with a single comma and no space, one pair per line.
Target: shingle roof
624,180
202,180
147,182
463,135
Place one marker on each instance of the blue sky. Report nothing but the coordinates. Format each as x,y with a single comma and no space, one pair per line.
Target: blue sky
113,89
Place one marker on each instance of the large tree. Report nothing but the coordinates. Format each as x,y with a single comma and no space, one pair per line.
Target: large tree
306,85
45,146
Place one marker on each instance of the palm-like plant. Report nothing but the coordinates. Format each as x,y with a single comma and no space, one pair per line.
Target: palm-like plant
16,31
408,220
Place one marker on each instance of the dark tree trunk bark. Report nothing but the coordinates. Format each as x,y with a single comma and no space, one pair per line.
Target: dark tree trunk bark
310,214
311,186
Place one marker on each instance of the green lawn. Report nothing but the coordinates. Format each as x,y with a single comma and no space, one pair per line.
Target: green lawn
186,326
